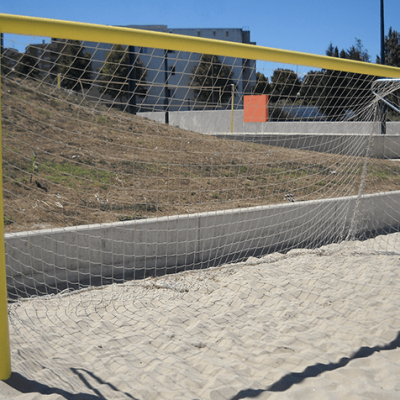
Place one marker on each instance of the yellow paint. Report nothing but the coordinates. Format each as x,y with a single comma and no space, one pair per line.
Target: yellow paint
5,358
15,24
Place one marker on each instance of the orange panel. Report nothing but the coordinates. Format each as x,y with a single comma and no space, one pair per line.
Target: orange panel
256,108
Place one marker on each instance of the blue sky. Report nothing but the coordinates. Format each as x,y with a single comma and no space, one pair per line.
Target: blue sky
307,26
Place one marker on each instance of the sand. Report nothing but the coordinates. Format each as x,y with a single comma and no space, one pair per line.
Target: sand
310,324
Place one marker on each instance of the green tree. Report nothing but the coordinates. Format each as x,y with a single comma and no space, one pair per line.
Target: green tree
392,57
344,94
356,52
9,60
285,85
117,71
211,80
262,84
332,51
26,66
312,87
392,49
75,66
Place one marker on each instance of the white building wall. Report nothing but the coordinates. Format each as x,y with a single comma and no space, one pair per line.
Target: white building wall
181,96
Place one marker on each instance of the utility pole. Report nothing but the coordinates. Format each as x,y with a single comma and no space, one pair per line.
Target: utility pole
1,49
382,33
132,80
383,106
166,88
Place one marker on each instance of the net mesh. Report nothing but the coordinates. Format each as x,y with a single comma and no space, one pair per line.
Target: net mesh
194,219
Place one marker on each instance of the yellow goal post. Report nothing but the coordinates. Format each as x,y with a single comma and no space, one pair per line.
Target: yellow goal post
21,25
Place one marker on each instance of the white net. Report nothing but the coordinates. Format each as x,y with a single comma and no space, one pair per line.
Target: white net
218,227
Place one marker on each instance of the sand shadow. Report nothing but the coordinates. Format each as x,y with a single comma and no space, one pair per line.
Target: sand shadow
287,381
80,373
24,385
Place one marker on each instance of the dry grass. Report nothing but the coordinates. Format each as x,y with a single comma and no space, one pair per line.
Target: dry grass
67,161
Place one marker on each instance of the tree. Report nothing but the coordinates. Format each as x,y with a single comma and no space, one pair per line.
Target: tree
262,84
345,93
26,66
332,51
211,80
117,71
392,49
312,87
356,52
75,66
9,60
285,85
392,57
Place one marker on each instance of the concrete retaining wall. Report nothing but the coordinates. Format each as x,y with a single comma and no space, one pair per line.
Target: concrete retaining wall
213,122
380,146
348,138
98,254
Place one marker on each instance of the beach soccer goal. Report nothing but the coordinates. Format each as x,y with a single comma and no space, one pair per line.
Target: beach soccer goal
132,157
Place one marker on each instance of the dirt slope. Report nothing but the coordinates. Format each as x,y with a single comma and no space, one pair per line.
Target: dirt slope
69,161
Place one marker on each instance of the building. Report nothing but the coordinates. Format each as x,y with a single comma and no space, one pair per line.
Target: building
179,66
168,73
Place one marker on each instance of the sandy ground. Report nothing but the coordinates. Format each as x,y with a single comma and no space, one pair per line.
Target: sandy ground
312,324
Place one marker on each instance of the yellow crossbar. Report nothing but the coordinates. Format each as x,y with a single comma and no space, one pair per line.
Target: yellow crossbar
21,25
